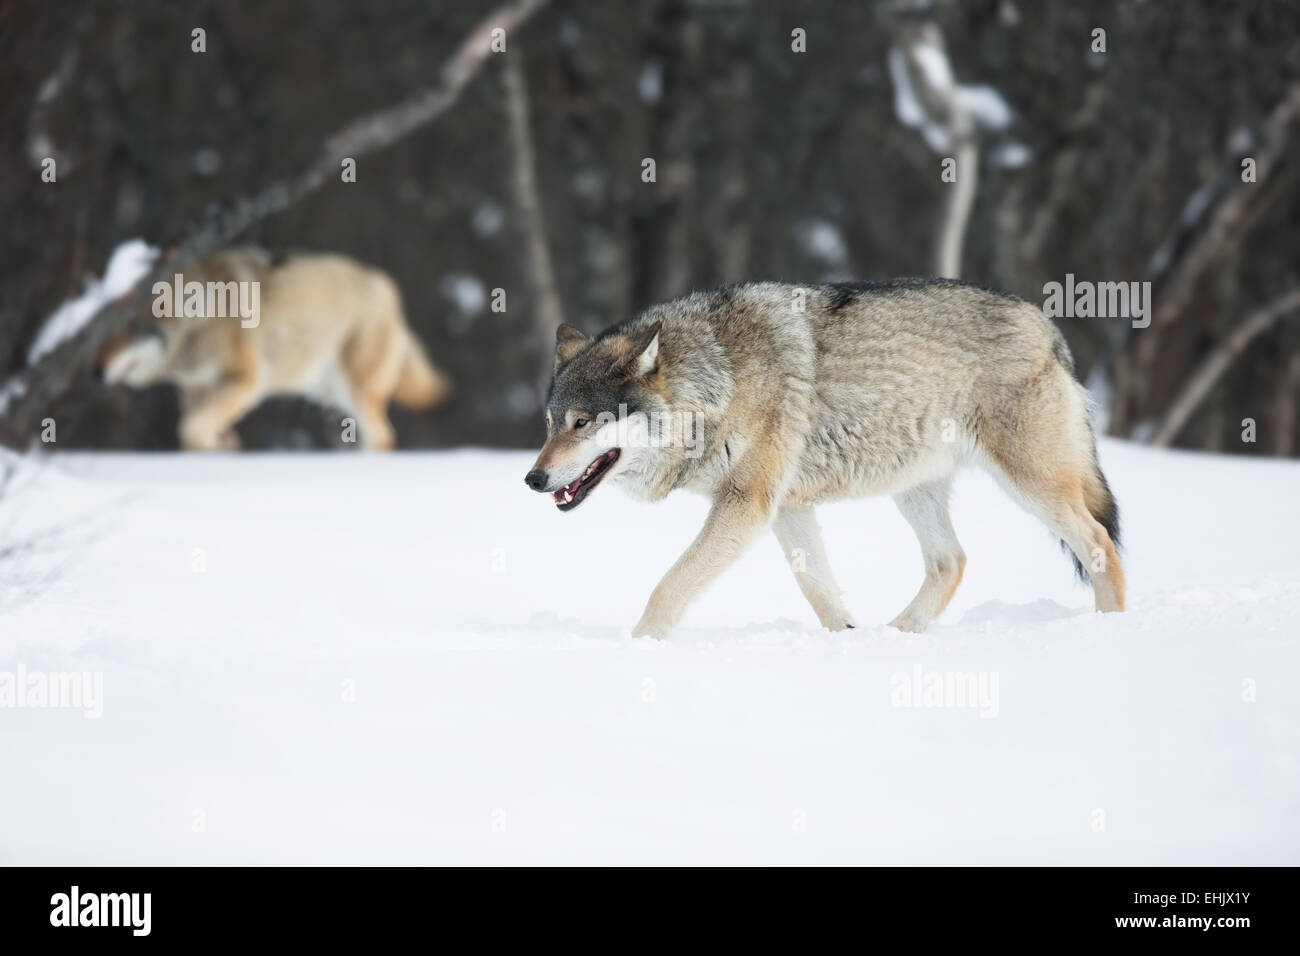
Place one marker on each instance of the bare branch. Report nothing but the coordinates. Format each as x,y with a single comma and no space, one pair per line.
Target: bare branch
928,97
957,209
547,314
1219,361
1064,175
1213,223
1222,227
1286,405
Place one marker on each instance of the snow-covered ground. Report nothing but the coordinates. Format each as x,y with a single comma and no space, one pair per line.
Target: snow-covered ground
350,658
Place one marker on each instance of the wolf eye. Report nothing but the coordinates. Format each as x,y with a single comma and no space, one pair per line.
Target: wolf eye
579,422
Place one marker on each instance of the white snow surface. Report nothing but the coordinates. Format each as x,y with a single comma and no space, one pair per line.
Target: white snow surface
349,658
127,265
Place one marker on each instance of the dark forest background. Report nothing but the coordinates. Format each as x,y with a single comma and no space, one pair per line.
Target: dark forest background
771,164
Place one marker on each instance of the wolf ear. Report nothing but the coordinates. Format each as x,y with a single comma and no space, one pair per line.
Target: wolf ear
643,355
568,343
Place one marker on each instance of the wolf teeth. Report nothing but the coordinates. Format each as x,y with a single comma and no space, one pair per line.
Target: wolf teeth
567,497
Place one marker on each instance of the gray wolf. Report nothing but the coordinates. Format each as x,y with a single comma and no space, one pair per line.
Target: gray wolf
806,394
329,328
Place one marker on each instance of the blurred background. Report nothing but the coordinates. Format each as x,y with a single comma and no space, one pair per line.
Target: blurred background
800,141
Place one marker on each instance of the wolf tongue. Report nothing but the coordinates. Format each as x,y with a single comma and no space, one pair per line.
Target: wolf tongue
568,490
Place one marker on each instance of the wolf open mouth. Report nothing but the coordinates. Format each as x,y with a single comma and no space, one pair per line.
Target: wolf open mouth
571,495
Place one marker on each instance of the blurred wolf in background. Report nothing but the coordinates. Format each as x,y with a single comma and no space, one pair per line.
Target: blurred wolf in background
809,394
327,328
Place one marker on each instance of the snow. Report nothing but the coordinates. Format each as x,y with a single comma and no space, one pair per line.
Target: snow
982,103
13,388
488,219
466,291
650,84
129,263
986,106
351,658
822,239
932,59
207,161
1013,155
907,103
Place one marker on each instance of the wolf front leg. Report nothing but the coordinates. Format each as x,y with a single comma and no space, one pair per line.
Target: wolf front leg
926,509
208,424
801,541
209,416
734,521
192,398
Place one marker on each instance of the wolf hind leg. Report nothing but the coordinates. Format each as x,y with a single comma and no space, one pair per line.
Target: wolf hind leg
191,399
1092,545
801,541
377,432
371,364
1061,502
926,509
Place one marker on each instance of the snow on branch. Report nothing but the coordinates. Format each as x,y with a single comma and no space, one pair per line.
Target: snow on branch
927,97
949,117
129,263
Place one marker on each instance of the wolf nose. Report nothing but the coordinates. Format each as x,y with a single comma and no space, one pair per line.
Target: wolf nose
535,479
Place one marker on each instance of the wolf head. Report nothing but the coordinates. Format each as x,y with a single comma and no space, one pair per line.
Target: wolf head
602,393
146,351
141,354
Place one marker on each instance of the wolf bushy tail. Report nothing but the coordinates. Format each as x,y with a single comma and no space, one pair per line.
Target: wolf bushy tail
420,383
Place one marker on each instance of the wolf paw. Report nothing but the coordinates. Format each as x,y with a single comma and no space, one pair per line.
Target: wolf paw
838,621
199,438
911,623
652,627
